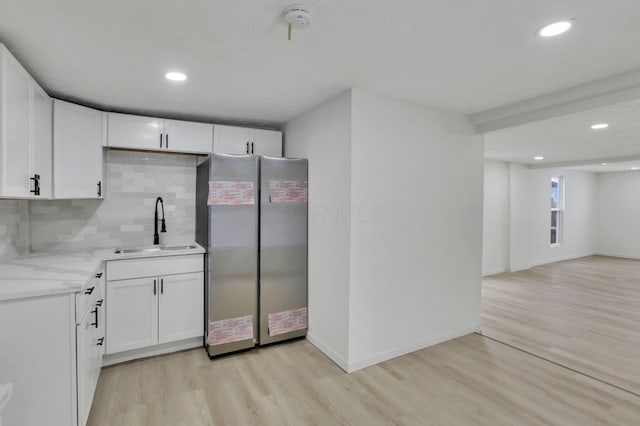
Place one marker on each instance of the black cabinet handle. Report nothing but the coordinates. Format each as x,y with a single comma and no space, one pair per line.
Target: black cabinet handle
89,290
247,147
154,287
95,312
36,185
161,285
166,140
160,140
252,147
99,275
100,341
100,189
99,302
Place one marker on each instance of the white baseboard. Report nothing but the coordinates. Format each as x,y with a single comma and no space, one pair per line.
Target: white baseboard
620,255
519,268
165,348
387,355
493,271
325,349
562,258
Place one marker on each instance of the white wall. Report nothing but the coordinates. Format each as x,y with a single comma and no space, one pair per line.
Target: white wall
527,224
416,244
495,243
618,214
579,219
323,135
520,224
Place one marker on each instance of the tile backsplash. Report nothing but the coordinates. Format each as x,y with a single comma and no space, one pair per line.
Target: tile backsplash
13,228
125,217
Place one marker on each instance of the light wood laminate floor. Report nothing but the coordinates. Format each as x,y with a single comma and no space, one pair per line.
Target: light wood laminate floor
583,314
467,381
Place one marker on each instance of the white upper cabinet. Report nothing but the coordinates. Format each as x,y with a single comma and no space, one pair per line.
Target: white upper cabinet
185,136
231,140
25,133
267,142
148,133
77,147
244,140
134,132
42,141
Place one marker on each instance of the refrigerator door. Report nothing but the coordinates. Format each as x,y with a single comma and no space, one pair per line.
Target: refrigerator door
232,261
283,249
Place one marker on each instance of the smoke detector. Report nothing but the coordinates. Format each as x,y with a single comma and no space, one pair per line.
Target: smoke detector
296,16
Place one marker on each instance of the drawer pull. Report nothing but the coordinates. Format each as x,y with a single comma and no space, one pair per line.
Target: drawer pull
100,341
95,312
89,290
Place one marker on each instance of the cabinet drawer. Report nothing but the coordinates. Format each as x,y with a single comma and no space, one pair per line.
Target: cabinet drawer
93,292
154,266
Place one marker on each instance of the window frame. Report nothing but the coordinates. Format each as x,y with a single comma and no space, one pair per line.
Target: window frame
559,209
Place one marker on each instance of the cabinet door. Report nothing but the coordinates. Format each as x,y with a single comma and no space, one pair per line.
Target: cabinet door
267,142
231,140
42,140
132,314
134,131
77,151
14,139
84,350
185,136
181,307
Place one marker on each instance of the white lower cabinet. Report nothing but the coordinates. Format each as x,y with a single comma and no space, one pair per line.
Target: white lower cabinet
90,339
146,311
132,313
181,307
37,355
51,349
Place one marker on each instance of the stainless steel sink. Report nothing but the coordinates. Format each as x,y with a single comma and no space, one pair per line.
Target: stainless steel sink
155,249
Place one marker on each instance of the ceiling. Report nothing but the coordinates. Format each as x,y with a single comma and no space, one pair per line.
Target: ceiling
468,56
620,166
570,139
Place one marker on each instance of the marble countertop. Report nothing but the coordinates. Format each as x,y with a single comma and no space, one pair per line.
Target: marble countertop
62,272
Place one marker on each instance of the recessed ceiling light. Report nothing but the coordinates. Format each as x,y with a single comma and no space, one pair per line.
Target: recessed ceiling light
538,157
175,76
599,126
603,164
555,29
635,168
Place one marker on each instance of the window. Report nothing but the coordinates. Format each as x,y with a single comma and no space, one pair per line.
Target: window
557,203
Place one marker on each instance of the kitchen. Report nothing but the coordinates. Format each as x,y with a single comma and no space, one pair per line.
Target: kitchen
395,180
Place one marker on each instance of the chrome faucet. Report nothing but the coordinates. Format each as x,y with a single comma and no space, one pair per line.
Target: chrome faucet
156,236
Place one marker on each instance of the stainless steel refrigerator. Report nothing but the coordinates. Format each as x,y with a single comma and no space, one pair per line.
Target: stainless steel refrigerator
251,215
283,249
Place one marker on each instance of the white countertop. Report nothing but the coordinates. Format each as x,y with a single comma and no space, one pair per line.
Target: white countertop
62,272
